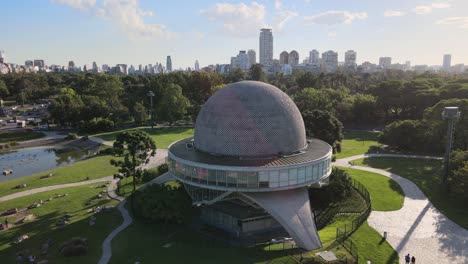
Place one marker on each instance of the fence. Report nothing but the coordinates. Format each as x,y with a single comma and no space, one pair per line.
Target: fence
343,232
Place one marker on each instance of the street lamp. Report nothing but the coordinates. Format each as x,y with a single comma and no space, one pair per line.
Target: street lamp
151,95
452,114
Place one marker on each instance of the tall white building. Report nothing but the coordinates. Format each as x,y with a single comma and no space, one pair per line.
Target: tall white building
252,55
314,57
385,62
330,61
240,61
447,62
350,59
168,64
197,66
266,46
3,57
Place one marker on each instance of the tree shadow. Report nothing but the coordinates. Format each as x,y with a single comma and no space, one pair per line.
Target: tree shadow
452,238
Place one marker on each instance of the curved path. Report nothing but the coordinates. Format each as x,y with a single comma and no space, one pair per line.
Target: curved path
51,188
418,228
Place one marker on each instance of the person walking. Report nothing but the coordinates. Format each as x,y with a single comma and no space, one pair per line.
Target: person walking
6,222
413,260
407,259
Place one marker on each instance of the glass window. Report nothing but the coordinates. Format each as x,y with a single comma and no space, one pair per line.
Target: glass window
284,176
252,180
301,173
293,176
274,176
203,175
231,178
212,177
194,173
263,179
315,174
274,184
221,178
242,179
309,173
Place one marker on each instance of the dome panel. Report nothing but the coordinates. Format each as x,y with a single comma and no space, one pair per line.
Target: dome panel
249,119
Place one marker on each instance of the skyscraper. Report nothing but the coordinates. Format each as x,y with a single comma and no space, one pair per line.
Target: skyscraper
95,67
284,58
3,57
71,64
330,61
29,63
39,63
350,58
447,62
314,57
266,46
197,66
252,57
385,62
168,64
293,58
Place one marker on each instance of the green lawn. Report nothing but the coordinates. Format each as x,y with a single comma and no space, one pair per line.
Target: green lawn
358,142
386,194
162,136
44,227
18,136
371,246
426,174
93,168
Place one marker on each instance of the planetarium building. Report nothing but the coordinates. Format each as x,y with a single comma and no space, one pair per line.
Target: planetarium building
249,165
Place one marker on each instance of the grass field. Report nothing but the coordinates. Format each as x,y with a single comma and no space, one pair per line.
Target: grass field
371,246
386,194
358,142
18,136
44,227
93,168
426,174
162,136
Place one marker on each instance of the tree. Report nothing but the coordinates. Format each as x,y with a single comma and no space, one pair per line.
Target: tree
139,113
3,90
323,125
163,204
405,135
173,104
256,73
311,99
136,148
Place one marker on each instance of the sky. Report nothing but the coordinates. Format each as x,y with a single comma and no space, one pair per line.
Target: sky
146,31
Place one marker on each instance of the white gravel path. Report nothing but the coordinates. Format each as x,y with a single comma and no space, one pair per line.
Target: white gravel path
418,228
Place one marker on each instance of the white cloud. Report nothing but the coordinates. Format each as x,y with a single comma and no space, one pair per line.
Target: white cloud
335,17
461,22
393,13
282,17
238,19
78,4
332,35
278,4
126,14
427,9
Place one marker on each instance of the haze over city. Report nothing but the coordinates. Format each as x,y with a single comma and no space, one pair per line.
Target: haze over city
141,32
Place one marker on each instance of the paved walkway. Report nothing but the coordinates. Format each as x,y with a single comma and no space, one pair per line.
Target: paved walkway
155,161
51,188
418,228
101,141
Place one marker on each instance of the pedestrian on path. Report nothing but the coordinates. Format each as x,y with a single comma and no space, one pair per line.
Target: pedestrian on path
413,260
6,222
407,259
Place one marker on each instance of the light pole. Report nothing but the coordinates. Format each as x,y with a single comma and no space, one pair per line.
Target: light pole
452,114
151,95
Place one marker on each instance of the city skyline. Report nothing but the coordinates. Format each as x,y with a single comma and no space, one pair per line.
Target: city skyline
143,32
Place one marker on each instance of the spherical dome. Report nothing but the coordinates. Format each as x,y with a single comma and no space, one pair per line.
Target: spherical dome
250,119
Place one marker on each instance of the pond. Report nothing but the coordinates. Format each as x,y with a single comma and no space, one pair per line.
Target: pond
29,161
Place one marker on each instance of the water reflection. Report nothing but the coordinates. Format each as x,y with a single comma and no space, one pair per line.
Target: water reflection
30,161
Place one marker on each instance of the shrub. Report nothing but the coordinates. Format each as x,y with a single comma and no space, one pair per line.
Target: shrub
71,136
107,151
163,168
338,188
164,204
149,175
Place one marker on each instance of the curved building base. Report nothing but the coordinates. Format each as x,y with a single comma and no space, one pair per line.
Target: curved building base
291,208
